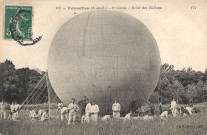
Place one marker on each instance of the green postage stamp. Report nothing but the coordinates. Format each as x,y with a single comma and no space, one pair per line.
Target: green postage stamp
18,22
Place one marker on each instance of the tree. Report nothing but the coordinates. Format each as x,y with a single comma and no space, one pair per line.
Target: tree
181,84
205,90
178,90
191,92
164,82
8,80
15,85
201,89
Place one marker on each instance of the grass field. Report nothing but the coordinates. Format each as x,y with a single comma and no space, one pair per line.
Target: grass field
191,125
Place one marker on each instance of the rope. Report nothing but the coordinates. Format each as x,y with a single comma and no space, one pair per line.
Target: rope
37,97
36,92
34,89
47,83
160,100
44,97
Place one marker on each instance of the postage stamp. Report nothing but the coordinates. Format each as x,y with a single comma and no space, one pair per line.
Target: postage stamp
18,22
18,25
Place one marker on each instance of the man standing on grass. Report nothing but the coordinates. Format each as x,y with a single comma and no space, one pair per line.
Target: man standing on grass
116,108
12,110
94,111
2,110
83,104
63,111
73,109
160,107
173,106
88,111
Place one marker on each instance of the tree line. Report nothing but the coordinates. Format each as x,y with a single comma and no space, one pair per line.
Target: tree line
17,84
181,85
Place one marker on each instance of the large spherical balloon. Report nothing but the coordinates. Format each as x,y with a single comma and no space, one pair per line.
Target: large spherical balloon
104,55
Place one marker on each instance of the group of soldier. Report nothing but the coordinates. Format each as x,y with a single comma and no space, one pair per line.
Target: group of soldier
89,111
39,115
177,110
14,111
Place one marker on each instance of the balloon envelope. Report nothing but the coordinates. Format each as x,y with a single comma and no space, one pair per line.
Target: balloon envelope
104,55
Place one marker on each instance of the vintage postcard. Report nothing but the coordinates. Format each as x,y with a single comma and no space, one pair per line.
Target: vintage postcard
103,67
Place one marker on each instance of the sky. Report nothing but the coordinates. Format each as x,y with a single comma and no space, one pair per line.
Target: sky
179,30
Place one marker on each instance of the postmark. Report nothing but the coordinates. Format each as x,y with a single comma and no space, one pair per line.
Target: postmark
18,25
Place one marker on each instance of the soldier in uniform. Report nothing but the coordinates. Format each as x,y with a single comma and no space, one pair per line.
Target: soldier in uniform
116,108
73,109
83,104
